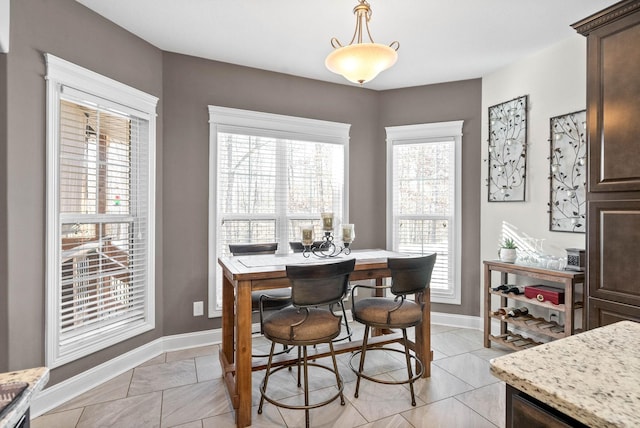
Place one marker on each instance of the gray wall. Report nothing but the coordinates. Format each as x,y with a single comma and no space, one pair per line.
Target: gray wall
72,32
440,103
190,85
4,308
185,86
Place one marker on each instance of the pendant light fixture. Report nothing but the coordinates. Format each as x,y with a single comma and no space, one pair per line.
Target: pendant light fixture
359,61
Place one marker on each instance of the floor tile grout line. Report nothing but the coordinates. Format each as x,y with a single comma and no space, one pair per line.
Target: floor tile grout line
387,369
455,397
161,405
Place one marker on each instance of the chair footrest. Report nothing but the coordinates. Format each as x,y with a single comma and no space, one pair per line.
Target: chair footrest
416,376
302,407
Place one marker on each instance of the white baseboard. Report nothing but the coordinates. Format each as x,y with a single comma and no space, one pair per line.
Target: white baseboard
454,320
54,396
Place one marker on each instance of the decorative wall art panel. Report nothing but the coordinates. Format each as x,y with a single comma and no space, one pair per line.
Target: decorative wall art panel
568,175
507,150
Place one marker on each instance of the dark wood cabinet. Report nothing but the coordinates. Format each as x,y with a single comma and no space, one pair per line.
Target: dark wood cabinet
613,190
525,411
605,312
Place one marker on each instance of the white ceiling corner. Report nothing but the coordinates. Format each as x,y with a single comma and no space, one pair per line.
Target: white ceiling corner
439,40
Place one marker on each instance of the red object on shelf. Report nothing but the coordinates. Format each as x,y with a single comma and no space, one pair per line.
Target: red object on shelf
544,293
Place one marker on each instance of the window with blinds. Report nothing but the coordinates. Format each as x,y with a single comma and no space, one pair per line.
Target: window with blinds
271,175
100,219
424,178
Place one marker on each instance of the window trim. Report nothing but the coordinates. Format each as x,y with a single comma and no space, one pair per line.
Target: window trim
418,133
232,120
74,81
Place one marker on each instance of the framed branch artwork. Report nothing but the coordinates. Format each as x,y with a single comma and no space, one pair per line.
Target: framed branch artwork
568,176
507,150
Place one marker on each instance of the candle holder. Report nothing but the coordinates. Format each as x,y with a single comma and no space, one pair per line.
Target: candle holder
327,248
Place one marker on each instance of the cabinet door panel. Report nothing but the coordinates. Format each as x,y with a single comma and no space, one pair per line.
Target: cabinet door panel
614,236
614,106
525,411
602,313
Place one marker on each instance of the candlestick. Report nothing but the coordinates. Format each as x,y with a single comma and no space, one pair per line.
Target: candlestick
327,221
327,248
307,235
348,233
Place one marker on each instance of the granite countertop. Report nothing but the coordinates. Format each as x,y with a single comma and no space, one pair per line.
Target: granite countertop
37,378
593,377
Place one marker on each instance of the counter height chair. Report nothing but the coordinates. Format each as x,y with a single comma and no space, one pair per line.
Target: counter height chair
305,323
270,300
409,275
297,247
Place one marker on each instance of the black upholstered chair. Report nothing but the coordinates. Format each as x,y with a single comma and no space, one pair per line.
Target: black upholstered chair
297,247
252,249
307,323
271,300
409,275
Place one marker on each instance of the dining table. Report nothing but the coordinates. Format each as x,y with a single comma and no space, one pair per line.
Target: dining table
243,274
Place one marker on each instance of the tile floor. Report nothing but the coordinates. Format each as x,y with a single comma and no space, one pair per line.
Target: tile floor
185,389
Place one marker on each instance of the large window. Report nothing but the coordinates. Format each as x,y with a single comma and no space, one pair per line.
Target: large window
269,176
423,199
100,202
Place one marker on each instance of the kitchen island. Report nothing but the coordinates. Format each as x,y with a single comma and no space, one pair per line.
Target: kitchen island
592,378
16,414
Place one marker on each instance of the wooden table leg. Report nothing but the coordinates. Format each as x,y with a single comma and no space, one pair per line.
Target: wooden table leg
228,317
243,353
423,333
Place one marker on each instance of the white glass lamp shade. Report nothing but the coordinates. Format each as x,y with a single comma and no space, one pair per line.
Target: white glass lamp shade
361,62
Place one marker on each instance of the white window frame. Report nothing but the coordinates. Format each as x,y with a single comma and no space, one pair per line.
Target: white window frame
68,78
231,120
420,133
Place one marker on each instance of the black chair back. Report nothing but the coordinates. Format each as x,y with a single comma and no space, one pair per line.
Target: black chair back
250,249
319,284
410,275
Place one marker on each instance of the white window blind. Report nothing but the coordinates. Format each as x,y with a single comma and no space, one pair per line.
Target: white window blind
100,221
270,176
424,200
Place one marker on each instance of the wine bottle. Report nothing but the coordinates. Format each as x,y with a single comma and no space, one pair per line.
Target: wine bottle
504,312
518,312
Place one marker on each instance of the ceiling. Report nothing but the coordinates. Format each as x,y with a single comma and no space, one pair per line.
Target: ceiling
440,40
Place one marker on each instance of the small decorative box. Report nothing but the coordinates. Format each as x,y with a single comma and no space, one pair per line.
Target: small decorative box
575,259
544,293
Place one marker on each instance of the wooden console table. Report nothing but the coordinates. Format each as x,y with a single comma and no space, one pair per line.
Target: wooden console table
567,279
